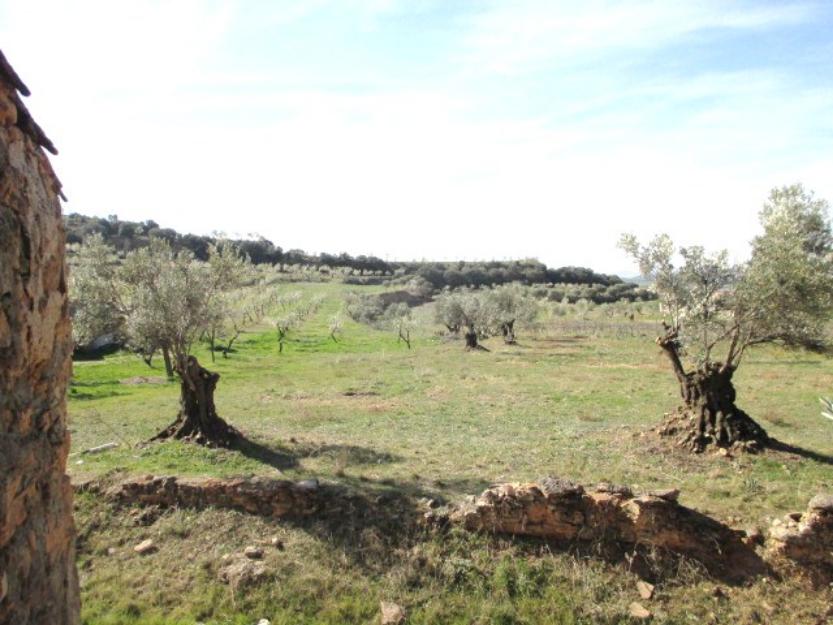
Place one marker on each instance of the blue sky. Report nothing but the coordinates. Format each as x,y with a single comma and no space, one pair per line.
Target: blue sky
430,129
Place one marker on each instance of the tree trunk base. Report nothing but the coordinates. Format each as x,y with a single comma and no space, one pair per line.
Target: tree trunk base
197,420
708,416
682,426
221,435
471,342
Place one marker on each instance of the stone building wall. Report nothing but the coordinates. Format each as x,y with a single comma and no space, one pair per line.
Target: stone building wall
38,582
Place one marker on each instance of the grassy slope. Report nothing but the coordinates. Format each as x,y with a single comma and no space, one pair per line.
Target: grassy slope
434,421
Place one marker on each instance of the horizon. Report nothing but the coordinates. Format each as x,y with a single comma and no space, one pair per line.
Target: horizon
434,130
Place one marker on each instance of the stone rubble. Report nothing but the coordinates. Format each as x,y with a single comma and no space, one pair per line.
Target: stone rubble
563,511
806,539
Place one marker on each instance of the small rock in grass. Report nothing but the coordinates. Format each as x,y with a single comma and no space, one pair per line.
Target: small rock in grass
264,621
646,590
392,613
241,572
253,553
146,546
822,502
307,485
637,610
111,551
277,543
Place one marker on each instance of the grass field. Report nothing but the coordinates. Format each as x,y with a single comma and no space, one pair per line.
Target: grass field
571,399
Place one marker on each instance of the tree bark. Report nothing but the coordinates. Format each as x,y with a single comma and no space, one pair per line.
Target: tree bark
471,340
197,420
169,368
709,415
508,330
38,580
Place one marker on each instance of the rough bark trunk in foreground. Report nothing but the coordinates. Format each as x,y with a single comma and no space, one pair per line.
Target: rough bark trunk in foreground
708,415
198,420
38,582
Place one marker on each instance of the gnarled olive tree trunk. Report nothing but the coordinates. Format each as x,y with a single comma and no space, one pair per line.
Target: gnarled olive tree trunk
508,330
708,415
197,420
471,340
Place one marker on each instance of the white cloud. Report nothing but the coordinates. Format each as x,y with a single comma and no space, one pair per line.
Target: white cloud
156,119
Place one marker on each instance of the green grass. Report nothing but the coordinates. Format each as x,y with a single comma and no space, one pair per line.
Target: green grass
571,399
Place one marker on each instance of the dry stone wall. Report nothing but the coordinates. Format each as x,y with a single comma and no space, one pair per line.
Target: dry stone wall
261,496
563,511
805,540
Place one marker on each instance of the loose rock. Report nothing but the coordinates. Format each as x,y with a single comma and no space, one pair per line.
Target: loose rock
391,613
669,494
646,590
637,610
144,547
253,553
240,572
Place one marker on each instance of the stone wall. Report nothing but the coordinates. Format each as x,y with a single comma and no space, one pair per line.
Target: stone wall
261,496
567,513
38,583
805,540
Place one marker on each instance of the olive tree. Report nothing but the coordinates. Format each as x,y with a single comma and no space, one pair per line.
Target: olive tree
232,311
294,312
398,318
511,304
471,311
371,310
715,311
94,306
166,299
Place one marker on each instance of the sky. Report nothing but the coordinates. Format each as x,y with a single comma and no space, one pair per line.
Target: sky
435,129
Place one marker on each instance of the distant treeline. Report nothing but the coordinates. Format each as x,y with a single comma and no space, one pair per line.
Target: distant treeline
129,235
